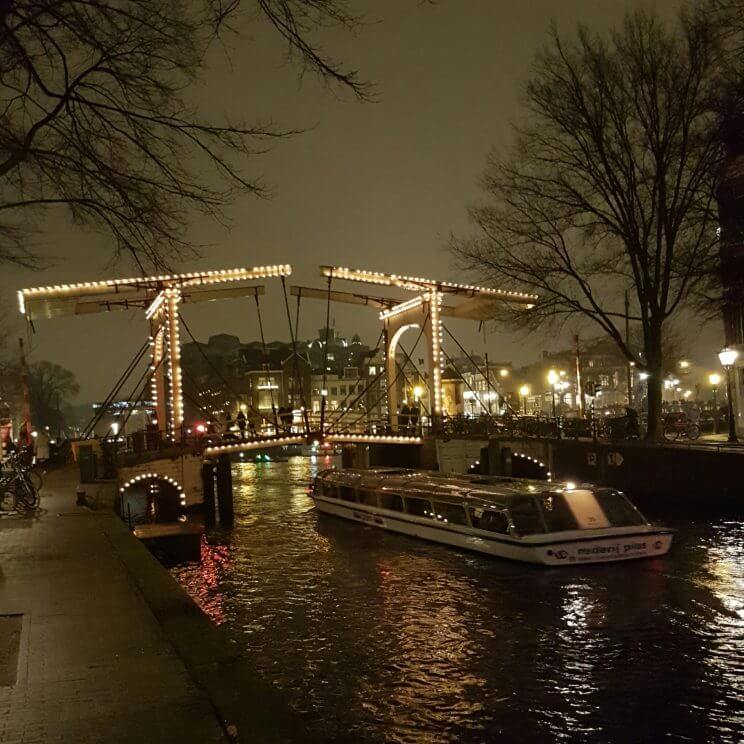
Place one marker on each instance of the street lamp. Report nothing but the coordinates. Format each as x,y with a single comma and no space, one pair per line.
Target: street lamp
524,391
553,378
715,379
727,357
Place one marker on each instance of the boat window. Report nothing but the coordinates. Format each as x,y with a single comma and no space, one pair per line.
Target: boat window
451,513
526,515
328,489
618,509
391,501
419,507
558,516
347,493
586,509
490,520
368,497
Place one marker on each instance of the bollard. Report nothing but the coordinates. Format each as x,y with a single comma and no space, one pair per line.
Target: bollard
224,491
208,491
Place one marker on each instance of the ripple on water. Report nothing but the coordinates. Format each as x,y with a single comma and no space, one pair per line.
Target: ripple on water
375,637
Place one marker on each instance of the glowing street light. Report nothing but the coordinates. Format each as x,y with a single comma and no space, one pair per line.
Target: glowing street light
524,391
553,378
728,357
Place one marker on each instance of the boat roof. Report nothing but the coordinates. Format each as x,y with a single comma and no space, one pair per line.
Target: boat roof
479,489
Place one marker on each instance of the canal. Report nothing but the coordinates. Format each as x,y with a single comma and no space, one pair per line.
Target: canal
374,637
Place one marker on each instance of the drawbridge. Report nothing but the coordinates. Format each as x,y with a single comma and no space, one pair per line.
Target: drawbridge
424,310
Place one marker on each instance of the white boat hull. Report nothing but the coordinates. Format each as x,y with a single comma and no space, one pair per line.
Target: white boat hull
640,542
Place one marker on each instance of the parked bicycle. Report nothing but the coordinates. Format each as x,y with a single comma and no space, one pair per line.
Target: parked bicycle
17,485
678,426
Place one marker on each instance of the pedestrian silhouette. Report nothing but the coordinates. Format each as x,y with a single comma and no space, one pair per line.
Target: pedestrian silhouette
240,418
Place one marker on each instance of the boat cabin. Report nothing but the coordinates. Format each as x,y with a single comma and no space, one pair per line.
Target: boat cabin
509,506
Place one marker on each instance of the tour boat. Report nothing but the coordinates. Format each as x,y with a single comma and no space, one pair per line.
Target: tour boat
535,521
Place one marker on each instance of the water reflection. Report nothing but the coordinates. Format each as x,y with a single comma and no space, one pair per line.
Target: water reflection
377,637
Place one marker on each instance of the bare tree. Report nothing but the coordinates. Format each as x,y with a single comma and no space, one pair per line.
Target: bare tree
610,184
95,114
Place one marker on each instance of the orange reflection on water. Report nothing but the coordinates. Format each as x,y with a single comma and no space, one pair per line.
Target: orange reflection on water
203,580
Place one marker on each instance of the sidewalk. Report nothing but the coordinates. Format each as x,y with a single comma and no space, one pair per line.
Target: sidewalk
108,646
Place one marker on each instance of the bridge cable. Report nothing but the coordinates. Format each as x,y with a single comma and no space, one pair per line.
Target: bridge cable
266,362
350,408
351,387
209,414
397,375
470,387
418,372
401,370
115,390
132,400
91,425
390,383
298,380
374,351
228,387
478,369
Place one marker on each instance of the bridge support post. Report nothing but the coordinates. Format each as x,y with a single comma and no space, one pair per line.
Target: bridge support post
355,456
224,491
208,491
499,458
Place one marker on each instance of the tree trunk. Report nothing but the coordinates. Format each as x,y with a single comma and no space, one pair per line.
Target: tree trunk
655,429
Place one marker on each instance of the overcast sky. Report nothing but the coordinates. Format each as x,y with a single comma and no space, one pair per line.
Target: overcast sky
378,185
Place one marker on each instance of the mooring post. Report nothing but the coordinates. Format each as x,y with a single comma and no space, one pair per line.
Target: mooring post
208,491
224,491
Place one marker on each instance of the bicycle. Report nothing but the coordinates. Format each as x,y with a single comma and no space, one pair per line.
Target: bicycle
678,426
16,481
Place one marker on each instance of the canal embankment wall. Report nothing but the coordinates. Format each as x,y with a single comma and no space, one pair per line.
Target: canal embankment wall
639,468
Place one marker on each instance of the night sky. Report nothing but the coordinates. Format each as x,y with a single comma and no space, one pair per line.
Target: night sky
374,185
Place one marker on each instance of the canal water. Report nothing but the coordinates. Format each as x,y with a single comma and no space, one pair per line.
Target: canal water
374,637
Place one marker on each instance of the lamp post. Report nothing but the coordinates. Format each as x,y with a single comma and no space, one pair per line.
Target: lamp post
715,379
552,380
727,357
524,391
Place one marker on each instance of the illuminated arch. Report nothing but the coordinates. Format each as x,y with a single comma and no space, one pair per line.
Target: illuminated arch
156,476
537,464
393,345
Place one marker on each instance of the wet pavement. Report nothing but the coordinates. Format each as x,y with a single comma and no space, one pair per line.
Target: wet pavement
377,637
88,660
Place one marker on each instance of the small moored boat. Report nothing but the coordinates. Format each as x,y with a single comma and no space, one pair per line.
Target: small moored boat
525,520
